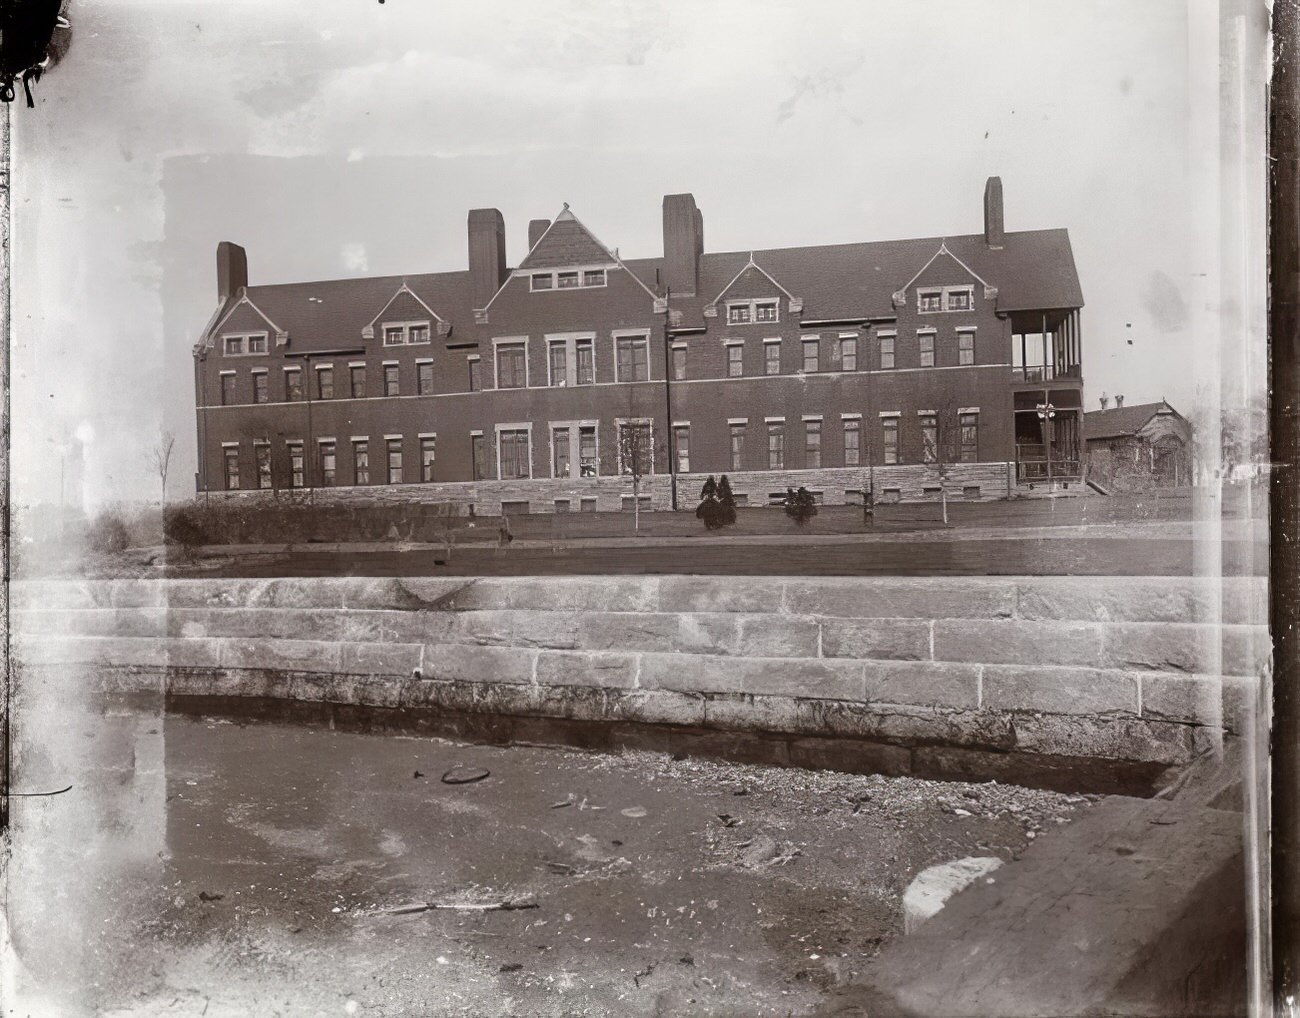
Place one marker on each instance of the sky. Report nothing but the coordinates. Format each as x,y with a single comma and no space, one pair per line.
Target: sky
346,137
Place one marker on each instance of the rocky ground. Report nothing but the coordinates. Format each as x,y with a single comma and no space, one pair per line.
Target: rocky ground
294,869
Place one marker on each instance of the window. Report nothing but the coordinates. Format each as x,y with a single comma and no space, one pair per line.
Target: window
570,279
886,352
682,447
511,366
812,445
234,346
324,383
296,479
560,465
228,389
262,455
889,432
772,358
735,360
423,379
852,443
929,300
679,363
848,353
237,346
946,298
562,505
328,464
478,454
394,335
775,446
475,375
749,311
559,363
587,505
585,350
293,385
406,332
810,352
360,462
232,468
394,460
513,457
417,333
392,383
635,449
428,452
514,507
588,465
926,340
257,344
959,299
929,438
971,491
357,374
737,446
969,424
966,347
629,502
633,358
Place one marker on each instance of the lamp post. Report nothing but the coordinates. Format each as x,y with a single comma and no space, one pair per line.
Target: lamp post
1046,412
668,396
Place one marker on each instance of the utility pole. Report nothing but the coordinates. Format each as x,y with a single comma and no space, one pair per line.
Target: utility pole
1045,414
668,395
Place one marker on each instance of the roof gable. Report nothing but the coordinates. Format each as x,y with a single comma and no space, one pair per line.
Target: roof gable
566,242
405,306
244,315
943,268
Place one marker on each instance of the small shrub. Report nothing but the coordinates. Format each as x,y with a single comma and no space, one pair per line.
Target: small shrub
108,533
800,505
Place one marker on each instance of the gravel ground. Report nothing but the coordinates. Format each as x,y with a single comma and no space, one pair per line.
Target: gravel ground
272,870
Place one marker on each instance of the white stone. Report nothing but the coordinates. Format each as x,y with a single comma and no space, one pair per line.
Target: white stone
932,888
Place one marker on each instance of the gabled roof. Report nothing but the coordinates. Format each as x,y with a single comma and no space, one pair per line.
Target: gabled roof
404,288
566,242
750,265
1123,421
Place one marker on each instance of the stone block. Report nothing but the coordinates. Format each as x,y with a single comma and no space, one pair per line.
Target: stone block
397,660
798,677
746,713
137,593
599,669
626,631
306,655
658,707
193,653
1107,738
1244,704
690,673
562,593
451,662
50,594
1058,690
1117,598
902,597
1012,641
1247,650
709,632
776,636
922,683
889,639
1196,699
512,628
719,594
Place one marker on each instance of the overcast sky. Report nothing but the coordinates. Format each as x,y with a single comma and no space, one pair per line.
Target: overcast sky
345,137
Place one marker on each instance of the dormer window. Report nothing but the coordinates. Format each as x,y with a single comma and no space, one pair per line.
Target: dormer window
567,279
405,333
748,311
945,298
241,346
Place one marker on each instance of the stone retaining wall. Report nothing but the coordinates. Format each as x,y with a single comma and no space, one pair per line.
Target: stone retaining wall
1140,669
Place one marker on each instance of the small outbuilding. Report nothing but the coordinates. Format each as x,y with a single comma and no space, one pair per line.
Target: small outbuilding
1141,446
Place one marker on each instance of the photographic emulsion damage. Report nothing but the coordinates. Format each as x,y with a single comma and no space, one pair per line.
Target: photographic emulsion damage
444,579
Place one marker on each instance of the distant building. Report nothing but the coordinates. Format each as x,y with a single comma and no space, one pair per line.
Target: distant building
897,364
1144,445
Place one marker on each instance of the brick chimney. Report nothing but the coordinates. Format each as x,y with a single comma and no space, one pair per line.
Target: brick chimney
683,243
1119,401
1104,401
536,227
487,254
994,232
232,269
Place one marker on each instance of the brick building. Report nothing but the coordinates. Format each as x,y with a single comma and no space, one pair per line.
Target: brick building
898,366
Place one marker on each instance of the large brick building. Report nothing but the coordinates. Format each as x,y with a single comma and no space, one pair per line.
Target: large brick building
897,365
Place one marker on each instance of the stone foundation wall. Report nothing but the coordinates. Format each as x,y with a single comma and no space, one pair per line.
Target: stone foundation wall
838,486
1139,669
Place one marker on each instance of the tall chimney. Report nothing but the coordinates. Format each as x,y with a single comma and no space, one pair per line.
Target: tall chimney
536,227
487,254
1119,401
994,231
232,269
683,243
1104,401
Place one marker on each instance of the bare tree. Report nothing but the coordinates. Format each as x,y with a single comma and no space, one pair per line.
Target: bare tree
159,459
942,447
636,459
